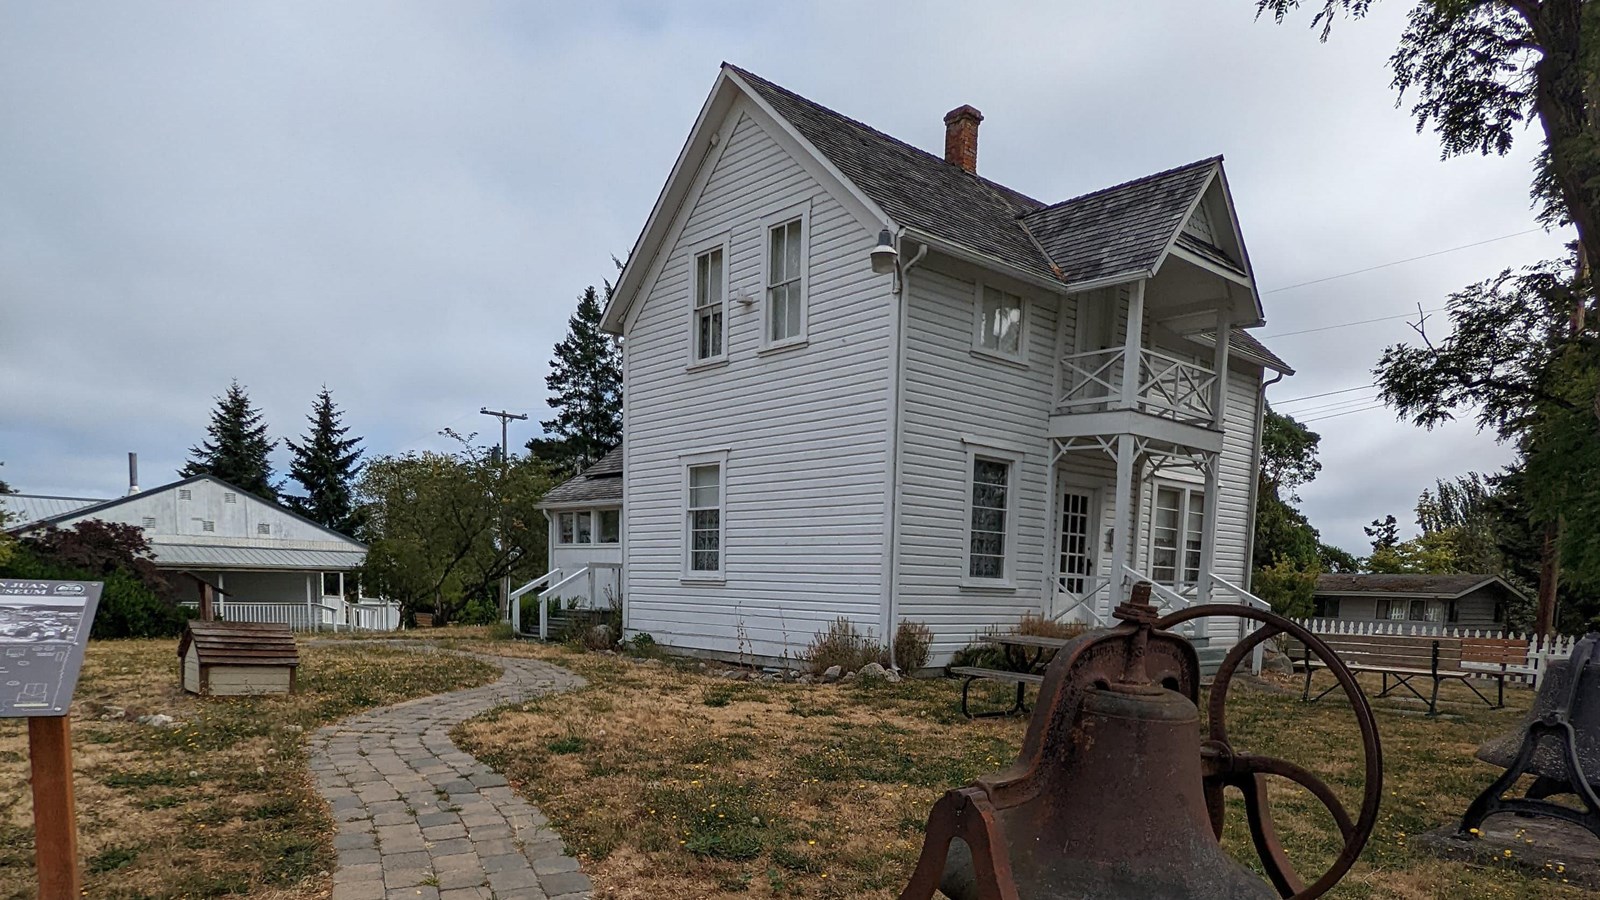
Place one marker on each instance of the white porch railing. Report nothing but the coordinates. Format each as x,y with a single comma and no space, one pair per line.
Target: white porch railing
332,613
1073,605
1541,650
1175,388
1168,386
1246,626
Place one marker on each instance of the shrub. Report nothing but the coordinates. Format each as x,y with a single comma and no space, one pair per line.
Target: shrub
480,610
841,645
1038,626
912,641
129,607
644,644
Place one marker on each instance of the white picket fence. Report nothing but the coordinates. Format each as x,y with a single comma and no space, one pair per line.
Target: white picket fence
332,614
1540,649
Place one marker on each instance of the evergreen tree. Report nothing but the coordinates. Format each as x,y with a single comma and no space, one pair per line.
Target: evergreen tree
237,447
326,464
585,382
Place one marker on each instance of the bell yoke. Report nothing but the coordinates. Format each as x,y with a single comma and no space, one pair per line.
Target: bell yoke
1115,794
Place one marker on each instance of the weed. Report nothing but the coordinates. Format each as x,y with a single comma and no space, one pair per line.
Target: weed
912,642
841,645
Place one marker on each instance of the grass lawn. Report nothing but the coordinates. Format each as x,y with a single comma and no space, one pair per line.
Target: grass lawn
670,783
221,806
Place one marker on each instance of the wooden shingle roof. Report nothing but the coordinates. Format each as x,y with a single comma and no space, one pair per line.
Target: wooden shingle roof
600,483
240,644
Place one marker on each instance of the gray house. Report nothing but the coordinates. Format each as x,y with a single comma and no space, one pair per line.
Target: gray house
1469,601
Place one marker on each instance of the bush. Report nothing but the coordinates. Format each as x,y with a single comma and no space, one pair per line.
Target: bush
478,611
841,645
643,644
912,641
129,608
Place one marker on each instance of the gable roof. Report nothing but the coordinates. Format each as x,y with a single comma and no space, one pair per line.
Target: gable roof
94,508
1437,587
1110,235
919,190
600,483
1121,230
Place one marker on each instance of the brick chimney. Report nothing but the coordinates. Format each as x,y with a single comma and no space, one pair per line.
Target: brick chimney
961,137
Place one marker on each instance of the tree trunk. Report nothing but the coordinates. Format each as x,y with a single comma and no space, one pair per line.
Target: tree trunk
1549,578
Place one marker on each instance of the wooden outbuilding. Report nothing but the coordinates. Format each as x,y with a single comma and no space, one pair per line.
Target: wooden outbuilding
228,659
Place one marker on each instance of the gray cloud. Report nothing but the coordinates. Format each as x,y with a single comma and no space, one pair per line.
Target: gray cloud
402,200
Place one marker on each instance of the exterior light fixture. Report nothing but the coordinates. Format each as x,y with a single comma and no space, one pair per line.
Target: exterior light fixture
884,256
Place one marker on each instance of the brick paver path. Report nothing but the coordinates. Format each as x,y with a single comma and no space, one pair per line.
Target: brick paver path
420,819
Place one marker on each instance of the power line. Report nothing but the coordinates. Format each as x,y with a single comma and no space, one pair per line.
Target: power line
1327,407
1401,262
1349,324
1345,413
1323,394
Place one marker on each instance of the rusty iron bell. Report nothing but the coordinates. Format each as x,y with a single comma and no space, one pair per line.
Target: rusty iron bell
1116,795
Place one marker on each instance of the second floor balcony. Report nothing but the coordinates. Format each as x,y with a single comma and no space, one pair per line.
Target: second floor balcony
1164,385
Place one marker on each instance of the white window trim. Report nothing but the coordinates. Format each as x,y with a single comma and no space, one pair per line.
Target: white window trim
1187,489
783,217
978,349
685,463
725,245
575,512
975,450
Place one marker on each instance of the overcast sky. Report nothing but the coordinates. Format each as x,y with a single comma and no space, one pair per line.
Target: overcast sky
403,200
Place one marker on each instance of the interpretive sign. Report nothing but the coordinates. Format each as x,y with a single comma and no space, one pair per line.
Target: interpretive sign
43,628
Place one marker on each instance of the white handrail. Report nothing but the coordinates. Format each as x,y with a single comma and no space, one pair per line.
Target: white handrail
513,600
544,608
1246,626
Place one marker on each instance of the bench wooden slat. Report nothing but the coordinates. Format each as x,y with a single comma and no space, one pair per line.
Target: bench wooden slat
997,674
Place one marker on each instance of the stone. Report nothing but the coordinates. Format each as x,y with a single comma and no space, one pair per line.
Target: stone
832,674
871,671
600,636
892,676
158,720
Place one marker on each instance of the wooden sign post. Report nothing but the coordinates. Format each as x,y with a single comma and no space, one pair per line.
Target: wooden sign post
55,812
43,628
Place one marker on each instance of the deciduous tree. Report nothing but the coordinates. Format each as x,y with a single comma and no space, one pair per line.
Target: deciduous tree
237,448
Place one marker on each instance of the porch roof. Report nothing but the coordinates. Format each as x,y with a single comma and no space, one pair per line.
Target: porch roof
223,556
601,483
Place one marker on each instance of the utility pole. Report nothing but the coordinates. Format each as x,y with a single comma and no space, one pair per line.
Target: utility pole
505,457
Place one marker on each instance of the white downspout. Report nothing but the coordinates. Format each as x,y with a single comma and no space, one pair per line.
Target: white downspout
897,338
1255,482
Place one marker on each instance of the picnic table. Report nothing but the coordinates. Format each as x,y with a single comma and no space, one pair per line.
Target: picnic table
1026,658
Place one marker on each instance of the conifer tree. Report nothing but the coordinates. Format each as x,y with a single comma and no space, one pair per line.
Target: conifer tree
325,464
237,447
585,382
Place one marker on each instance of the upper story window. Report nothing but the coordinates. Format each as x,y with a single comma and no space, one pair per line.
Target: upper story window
786,280
710,305
1000,318
703,520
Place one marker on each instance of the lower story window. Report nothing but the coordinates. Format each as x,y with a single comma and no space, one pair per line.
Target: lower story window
608,526
573,528
988,528
703,519
1176,536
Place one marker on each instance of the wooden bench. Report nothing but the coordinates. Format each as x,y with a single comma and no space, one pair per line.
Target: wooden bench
973,673
1405,658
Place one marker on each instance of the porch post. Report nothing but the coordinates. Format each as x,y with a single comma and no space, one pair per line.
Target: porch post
1130,347
222,598
1122,519
311,611
1219,404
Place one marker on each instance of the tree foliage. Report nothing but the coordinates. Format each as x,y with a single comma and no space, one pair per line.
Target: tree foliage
236,449
585,384
1479,70
326,464
1288,552
136,600
434,525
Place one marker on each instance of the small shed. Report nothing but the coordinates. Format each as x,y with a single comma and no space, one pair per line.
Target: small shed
229,659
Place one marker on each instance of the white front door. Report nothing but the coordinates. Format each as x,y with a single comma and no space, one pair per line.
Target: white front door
1075,562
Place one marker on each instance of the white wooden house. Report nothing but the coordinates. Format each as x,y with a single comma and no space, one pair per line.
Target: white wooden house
268,563
864,381
585,550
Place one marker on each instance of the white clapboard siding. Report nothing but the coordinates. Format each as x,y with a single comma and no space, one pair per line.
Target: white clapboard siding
950,392
804,428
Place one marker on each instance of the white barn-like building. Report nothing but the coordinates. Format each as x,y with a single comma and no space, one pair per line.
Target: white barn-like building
257,553
862,380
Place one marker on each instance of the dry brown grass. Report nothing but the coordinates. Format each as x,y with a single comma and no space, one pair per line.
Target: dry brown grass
670,783
221,806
